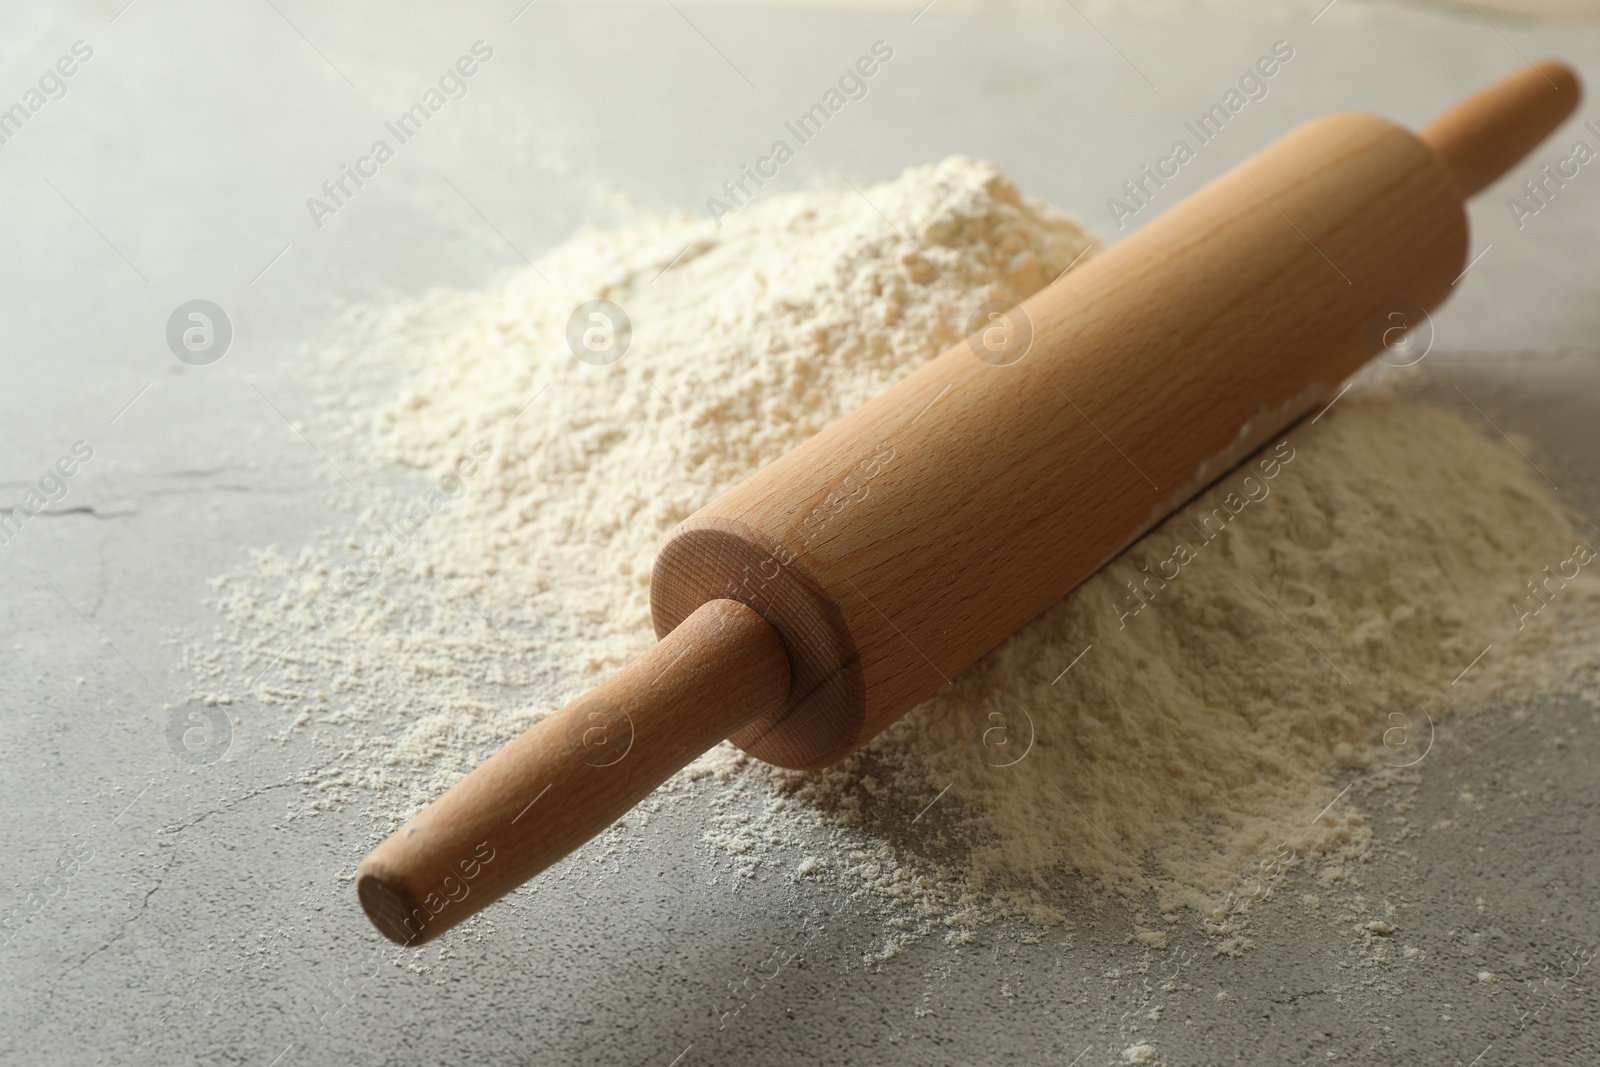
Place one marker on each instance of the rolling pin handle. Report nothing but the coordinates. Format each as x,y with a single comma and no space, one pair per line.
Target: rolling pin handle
1491,131
575,772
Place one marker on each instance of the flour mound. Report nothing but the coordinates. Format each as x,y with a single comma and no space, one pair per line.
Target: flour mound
1167,732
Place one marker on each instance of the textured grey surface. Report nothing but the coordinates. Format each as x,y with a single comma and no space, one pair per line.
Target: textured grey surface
159,911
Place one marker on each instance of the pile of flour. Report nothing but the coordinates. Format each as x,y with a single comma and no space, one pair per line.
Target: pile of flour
1168,732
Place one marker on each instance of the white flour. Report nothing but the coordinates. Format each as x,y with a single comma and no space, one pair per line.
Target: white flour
1187,750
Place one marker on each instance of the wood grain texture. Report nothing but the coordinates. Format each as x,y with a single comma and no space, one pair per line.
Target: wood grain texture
1489,132
951,509
574,773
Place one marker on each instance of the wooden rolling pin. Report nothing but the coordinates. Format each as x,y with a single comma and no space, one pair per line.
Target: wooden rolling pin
807,608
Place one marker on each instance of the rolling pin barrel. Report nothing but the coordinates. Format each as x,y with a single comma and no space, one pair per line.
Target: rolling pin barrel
904,541
807,608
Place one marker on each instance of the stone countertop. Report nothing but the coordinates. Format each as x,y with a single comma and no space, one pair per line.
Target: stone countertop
163,911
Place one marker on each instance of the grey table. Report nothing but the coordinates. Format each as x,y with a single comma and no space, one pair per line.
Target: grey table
162,912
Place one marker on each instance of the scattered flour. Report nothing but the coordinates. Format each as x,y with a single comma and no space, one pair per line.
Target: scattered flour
1180,718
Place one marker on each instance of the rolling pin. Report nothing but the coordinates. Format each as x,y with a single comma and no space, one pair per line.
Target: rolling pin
808,607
